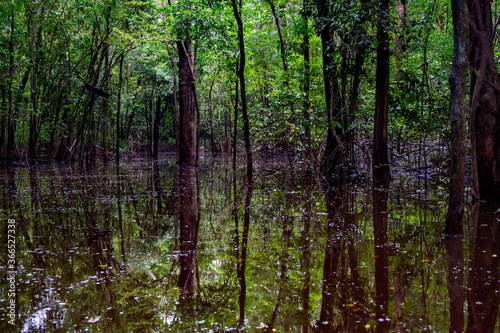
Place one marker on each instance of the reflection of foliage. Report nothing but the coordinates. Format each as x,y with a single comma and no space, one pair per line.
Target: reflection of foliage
141,294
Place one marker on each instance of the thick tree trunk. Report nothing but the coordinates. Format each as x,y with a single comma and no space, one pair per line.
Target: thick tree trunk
188,115
458,107
484,103
380,157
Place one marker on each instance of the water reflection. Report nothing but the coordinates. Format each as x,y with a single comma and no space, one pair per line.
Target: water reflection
343,305
380,197
483,292
150,246
189,218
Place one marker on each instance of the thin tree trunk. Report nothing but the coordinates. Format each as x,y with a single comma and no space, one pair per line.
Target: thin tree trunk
286,84
118,108
10,118
241,74
307,79
105,106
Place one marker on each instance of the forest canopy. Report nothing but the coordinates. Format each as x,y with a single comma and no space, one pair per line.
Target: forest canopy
59,60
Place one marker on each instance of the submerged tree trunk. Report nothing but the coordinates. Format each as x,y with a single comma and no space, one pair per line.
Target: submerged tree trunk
458,107
380,157
484,103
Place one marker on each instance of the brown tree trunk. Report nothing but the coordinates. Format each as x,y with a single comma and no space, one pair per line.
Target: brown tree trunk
188,114
484,103
458,107
380,157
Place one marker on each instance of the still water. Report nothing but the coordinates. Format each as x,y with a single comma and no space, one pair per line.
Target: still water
150,247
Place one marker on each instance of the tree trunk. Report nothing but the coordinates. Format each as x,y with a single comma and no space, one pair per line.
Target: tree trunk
188,115
241,75
332,157
156,126
105,106
484,103
118,109
307,80
458,107
380,157
286,85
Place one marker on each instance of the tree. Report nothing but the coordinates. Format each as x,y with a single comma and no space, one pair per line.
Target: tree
243,92
188,104
458,107
484,103
332,156
380,157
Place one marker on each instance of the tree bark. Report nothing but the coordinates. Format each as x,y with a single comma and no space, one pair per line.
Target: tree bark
484,103
380,157
188,115
458,107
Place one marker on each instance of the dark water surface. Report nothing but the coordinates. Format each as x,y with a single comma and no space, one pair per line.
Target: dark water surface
150,247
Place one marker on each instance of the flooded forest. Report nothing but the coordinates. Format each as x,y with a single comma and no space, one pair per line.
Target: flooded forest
249,166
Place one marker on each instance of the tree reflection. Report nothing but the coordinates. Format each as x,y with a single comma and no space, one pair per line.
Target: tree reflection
380,197
189,218
483,285
342,285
